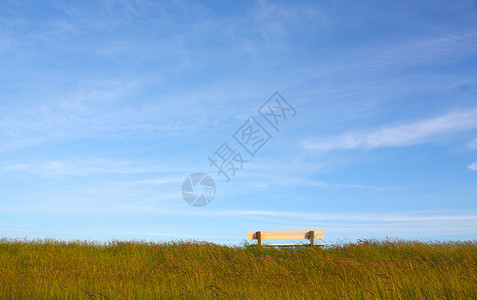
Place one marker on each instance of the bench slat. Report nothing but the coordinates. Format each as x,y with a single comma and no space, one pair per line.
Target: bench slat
288,237
289,245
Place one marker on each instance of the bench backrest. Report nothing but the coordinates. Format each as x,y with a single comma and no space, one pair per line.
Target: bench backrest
289,234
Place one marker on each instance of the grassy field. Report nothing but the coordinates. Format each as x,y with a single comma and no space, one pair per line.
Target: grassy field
131,270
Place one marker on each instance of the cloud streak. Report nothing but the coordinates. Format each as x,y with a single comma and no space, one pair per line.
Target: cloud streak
472,144
97,166
473,166
349,217
398,136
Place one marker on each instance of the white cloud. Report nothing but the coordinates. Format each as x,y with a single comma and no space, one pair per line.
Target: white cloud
96,166
151,207
473,144
158,181
473,166
405,217
399,136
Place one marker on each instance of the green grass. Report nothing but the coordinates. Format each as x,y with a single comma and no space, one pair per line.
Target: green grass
131,270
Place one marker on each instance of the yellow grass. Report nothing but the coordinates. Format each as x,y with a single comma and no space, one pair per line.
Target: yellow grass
131,270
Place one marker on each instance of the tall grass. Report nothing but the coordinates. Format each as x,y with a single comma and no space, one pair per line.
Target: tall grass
368,269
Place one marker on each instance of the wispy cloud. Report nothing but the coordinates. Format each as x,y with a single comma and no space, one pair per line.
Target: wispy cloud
158,181
150,207
90,109
48,169
96,166
473,144
418,51
394,217
398,136
473,166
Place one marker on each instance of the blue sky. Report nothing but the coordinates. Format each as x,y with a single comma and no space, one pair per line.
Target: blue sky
107,106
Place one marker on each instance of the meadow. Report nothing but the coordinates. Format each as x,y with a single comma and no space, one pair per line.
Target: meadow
368,269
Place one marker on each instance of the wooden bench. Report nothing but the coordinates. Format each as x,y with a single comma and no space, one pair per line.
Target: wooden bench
310,235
